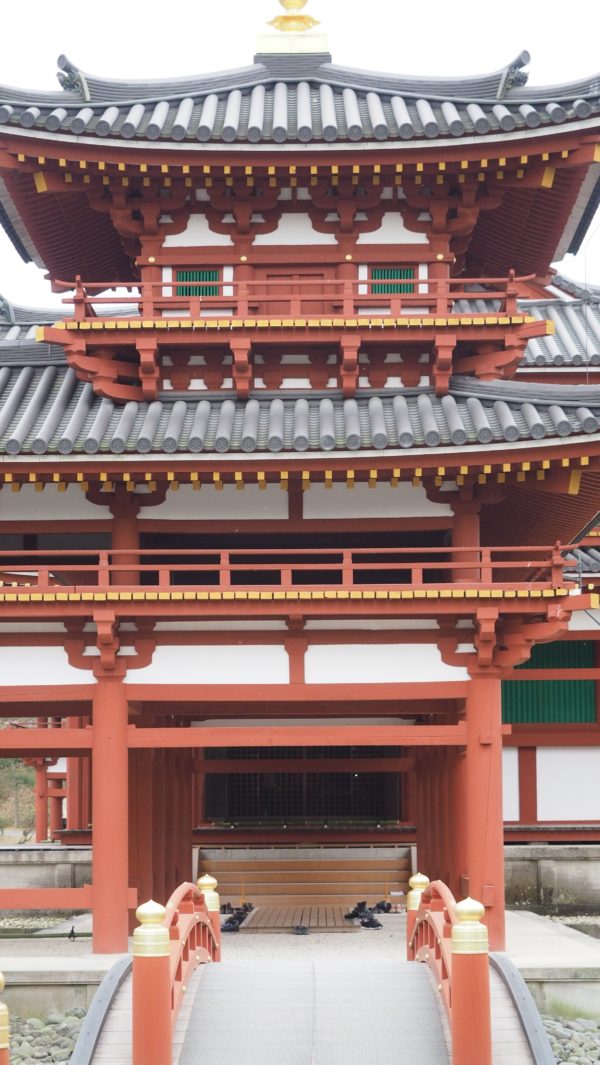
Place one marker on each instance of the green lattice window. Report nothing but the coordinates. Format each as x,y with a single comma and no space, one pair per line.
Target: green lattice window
203,282
391,280
552,701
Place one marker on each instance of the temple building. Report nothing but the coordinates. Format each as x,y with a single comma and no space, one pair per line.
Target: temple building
299,490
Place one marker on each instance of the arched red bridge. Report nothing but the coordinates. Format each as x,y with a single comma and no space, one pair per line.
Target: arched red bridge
171,1005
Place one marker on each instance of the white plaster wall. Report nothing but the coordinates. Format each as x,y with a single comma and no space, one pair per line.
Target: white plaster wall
39,665
584,620
510,784
215,664
382,501
209,504
567,783
378,664
49,505
294,229
197,234
392,231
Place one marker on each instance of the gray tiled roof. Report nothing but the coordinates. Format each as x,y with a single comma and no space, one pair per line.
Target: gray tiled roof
576,340
298,98
585,561
48,410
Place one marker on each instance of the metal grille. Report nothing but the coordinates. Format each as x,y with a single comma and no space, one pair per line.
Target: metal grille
395,278
205,276
307,796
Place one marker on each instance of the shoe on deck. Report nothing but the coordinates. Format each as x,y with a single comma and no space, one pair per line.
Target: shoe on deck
371,922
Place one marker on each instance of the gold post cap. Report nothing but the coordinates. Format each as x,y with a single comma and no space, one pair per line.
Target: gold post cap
207,885
297,29
2,982
417,883
151,937
4,1027
293,23
469,935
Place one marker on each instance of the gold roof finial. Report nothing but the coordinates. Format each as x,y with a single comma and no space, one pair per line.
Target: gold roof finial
293,23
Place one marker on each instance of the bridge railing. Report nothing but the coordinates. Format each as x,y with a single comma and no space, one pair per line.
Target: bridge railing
451,939
168,945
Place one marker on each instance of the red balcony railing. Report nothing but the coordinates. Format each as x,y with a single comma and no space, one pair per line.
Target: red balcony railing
285,298
284,570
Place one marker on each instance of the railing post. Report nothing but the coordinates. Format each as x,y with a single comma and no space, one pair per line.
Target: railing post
511,294
558,565
417,884
470,989
4,1029
208,886
152,1037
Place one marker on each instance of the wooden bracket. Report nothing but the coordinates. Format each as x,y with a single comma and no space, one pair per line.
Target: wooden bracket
349,364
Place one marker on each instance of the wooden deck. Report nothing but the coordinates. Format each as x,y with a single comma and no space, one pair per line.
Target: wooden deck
285,918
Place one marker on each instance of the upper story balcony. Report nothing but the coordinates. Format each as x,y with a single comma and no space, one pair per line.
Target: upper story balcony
434,326
274,574
283,296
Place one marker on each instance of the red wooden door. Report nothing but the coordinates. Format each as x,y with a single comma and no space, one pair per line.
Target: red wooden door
286,291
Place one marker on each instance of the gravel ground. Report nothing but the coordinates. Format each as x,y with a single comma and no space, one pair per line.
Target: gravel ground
58,946
385,943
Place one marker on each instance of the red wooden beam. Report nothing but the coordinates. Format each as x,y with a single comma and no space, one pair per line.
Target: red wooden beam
295,693
81,898
301,736
41,740
304,765
45,693
543,736
553,674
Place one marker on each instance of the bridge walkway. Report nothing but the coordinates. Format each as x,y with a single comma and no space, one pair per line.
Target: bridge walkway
315,1013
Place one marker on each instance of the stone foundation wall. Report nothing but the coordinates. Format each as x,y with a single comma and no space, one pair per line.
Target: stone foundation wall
553,878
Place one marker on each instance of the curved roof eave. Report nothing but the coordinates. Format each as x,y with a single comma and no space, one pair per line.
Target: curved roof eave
508,83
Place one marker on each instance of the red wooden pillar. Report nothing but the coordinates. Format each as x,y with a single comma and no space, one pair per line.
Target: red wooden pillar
145,824
41,801
458,862
466,533
527,785
74,786
418,807
110,814
55,809
442,813
170,827
185,863
159,891
125,538
133,832
483,825
199,793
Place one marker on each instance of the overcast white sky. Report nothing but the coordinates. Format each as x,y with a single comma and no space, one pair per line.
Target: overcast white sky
121,39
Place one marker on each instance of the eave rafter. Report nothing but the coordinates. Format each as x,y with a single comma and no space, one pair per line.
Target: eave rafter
562,465
523,165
